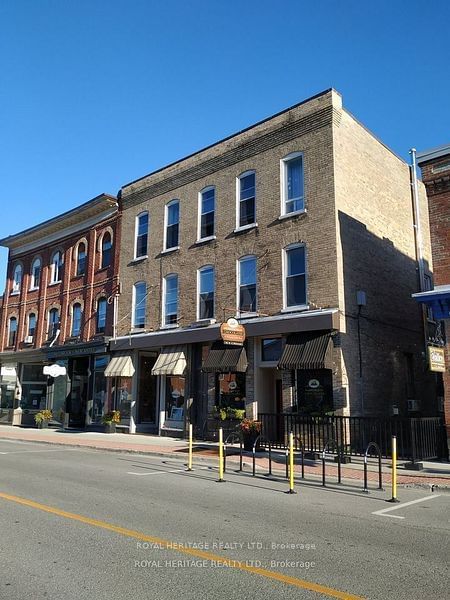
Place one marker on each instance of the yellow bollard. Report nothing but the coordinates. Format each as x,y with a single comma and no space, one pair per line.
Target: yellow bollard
190,448
291,464
394,470
220,455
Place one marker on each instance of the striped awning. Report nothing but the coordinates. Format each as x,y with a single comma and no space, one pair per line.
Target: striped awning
171,361
120,365
307,350
225,359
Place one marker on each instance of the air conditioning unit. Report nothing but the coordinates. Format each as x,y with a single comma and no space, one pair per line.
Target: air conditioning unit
28,339
413,405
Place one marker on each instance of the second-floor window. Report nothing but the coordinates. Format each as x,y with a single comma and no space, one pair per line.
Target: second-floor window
35,274
31,324
76,319
53,322
139,302
101,315
56,268
207,209
81,259
292,195
247,284
141,235
106,250
172,225
294,276
17,279
12,331
170,301
206,292
246,199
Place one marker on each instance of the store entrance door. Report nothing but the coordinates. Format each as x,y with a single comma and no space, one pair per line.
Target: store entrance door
147,392
78,392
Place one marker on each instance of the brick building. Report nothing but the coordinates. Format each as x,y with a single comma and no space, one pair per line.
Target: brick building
301,228
58,305
435,166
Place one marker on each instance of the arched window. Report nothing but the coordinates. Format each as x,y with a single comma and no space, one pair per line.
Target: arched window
101,315
81,259
106,250
35,278
12,331
53,322
17,279
56,268
31,325
76,319
205,307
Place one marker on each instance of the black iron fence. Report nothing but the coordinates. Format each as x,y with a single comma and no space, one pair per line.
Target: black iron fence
417,438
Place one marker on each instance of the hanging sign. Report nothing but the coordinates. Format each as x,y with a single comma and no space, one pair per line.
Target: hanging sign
436,359
232,333
54,370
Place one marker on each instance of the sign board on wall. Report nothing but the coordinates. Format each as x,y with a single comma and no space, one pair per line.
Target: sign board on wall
436,359
232,333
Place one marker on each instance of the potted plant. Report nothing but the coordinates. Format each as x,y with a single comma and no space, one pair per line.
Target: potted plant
250,429
110,420
235,414
42,418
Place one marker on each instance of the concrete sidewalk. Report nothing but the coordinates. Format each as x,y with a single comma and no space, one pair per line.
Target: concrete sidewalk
435,474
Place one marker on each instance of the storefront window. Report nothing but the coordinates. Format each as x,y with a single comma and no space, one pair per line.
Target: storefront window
123,397
271,349
99,391
230,390
174,405
34,387
7,387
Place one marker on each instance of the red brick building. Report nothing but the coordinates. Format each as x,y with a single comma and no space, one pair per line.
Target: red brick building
58,308
435,166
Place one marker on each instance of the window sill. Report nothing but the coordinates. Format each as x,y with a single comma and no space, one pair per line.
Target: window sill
295,213
246,315
169,250
135,330
54,283
243,228
33,289
210,238
15,293
137,259
298,308
170,326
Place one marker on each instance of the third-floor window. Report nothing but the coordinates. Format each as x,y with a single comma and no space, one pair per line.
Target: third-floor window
172,218
17,279
81,259
292,194
56,268
35,274
246,199
141,235
106,250
207,206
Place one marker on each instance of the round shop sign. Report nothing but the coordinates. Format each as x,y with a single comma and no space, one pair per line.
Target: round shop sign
233,323
176,394
232,385
54,370
313,383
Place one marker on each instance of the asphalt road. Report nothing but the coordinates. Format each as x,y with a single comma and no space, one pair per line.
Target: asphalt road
78,524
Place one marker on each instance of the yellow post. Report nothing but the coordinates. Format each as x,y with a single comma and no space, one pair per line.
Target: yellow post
190,448
291,464
220,455
394,470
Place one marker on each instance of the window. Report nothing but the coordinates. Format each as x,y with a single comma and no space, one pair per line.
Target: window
76,319
35,274
53,323
427,286
271,349
246,199
295,276
12,331
101,315
292,184
247,284
206,292
172,224
106,250
56,268
81,259
139,302
31,324
141,235
170,300
17,279
207,207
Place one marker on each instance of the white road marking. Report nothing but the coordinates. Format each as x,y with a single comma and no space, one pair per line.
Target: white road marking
402,505
29,451
165,472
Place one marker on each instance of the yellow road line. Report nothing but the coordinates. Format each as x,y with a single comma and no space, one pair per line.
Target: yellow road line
294,581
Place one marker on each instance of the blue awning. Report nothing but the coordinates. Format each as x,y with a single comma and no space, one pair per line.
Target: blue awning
438,300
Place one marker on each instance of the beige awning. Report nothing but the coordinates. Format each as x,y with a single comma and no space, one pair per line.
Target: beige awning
171,361
120,366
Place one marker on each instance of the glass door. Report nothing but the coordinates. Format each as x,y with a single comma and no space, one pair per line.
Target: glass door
147,395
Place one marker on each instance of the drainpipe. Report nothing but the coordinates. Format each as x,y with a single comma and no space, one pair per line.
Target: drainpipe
417,223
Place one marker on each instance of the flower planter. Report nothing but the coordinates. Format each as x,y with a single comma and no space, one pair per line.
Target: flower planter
110,428
42,425
249,441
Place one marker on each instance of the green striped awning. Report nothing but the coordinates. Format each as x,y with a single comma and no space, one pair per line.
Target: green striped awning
225,359
307,350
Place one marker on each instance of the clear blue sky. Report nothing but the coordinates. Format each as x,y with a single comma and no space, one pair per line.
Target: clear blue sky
94,94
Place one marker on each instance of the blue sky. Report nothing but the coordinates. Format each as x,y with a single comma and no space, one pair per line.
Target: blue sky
94,94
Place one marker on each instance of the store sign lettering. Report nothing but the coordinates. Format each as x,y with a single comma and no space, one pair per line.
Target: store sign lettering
436,359
232,333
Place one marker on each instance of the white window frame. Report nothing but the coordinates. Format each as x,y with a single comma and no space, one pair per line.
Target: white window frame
133,307
166,225
164,314
33,285
240,227
200,213
15,331
77,262
102,242
136,235
199,274
72,332
97,313
56,267
283,181
17,279
48,322
240,312
285,251
28,324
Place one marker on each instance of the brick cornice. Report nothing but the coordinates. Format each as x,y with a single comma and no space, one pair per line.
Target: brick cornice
438,186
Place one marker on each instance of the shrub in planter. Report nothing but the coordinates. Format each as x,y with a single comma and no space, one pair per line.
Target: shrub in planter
42,418
250,430
110,421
